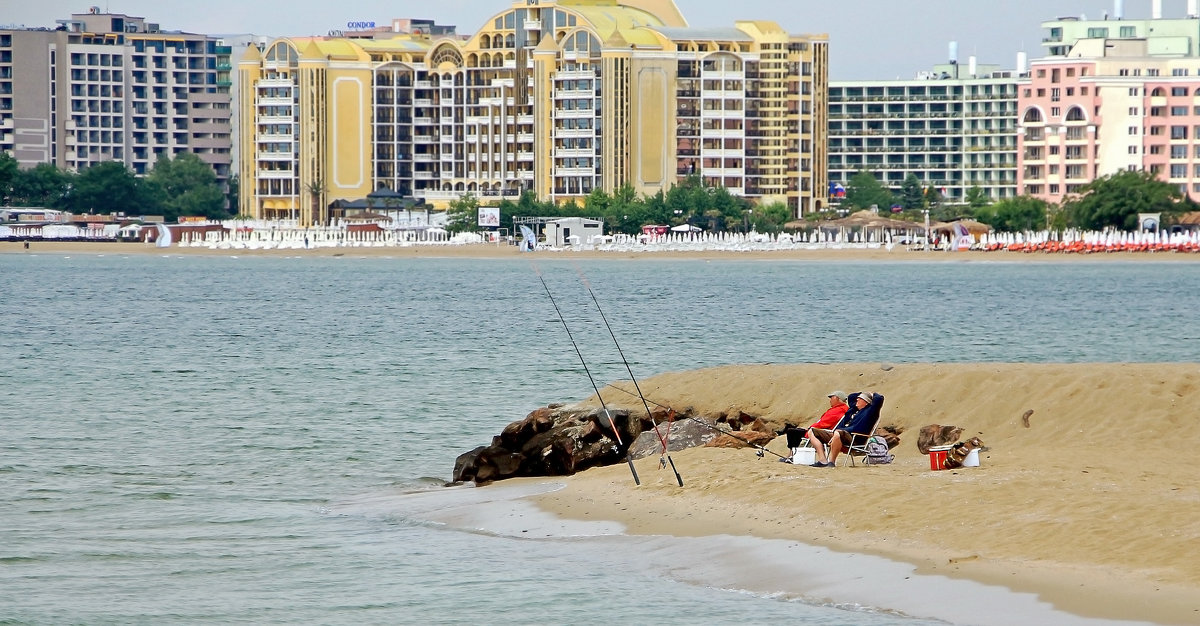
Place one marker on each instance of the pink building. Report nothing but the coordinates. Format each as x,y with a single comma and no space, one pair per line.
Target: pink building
1059,129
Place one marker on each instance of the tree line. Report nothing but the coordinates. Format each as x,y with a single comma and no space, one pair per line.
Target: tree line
1112,201
624,211
183,186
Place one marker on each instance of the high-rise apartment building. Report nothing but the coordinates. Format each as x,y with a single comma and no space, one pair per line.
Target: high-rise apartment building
953,128
1112,95
110,87
557,97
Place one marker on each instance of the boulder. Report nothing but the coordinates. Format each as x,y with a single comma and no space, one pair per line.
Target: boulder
936,435
551,441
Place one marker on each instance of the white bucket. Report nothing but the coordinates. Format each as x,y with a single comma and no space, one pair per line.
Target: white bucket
804,456
972,459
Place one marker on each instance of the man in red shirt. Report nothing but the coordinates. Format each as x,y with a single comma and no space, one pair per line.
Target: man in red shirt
829,419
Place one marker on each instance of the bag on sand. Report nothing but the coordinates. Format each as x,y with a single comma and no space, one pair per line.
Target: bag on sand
877,452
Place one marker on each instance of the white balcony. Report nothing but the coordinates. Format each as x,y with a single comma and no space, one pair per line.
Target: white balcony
275,174
422,102
275,82
574,132
422,158
503,82
533,24
422,84
423,175
490,102
574,152
563,114
276,157
524,137
422,121
274,101
525,119
574,94
575,75
424,139
273,138
524,156
574,171
274,119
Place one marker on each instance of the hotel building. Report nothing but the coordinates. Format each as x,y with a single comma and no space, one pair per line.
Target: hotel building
110,87
559,98
1112,95
953,128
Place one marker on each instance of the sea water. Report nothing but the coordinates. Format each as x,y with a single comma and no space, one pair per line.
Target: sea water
264,439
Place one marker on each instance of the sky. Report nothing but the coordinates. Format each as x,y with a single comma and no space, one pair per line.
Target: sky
869,39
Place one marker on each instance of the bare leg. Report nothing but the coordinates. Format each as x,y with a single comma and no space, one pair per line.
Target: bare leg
835,447
817,444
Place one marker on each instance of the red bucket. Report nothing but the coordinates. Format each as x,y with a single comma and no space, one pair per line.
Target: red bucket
937,457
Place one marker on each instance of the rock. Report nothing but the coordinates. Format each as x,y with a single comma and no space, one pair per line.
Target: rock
551,442
936,435
741,439
686,432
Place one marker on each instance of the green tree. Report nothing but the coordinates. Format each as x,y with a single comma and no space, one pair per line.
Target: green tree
463,214
770,218
108,187
1015,214
863,191
1116,200
43,185
977,198
8,177
188,186
912,196
234,195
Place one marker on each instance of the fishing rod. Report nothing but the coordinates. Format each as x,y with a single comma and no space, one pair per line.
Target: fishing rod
662,440
607,413
759,449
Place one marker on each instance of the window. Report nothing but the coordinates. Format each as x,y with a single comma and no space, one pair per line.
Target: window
1196,171
1027,92
1083,91
1134,149
1053,150
1097,33
1133,111
1158,149
1128,32
1133,91
1179,111
1055,111
1055,75
1074,171
1054,170
1179,91
1178,170
1054,190
1133,130
1156,131
1070,91
1070,72
1179,152
1075,152
1041,93
1179,132
1179,71
1055,94
1152,72
1041,73
1123,72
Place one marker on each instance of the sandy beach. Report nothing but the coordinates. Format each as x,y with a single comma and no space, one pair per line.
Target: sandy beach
499,251
1093,506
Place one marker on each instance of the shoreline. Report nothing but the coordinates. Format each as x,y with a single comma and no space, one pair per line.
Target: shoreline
1057,509
770,568
503,251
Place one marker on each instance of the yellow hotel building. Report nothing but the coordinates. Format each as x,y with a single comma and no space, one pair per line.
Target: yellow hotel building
559,97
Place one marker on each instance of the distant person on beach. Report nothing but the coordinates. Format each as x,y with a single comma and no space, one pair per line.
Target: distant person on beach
854,422
828,419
